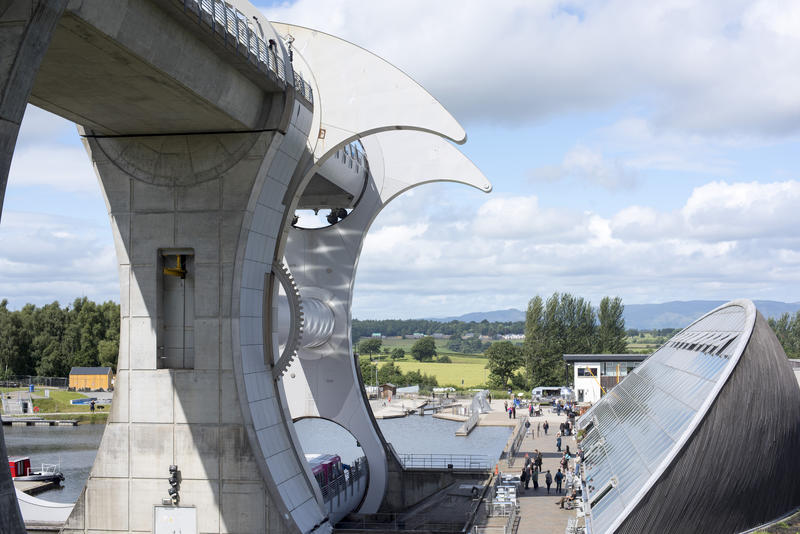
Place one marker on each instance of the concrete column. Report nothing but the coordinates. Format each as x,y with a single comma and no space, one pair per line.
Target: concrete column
194,196
27,28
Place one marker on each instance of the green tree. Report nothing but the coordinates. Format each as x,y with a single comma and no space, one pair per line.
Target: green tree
370,346
367,371
398,354
421,379
424,349
787,330
611,338
504,359
391,373
533,346
454,343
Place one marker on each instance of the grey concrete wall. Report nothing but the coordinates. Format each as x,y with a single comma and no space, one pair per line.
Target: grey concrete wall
187,417
25,32
407,487
144,70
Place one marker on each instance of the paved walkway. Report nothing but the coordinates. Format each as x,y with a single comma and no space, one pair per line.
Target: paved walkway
539,513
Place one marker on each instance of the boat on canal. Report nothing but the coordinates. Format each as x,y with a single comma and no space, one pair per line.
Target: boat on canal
20,467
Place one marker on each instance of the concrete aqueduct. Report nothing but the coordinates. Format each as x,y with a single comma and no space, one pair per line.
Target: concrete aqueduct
208,127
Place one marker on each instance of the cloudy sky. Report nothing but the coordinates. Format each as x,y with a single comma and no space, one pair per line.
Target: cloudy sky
646,150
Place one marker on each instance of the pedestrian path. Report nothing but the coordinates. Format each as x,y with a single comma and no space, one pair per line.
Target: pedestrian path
539,512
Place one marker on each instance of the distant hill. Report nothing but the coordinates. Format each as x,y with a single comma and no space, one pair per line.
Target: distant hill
497,316
675,314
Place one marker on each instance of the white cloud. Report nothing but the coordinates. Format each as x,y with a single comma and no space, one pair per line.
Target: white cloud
589,165
719,67
59,167
728,240
45,258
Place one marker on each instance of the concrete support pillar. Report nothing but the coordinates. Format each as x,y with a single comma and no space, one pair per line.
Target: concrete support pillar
27,28
196,226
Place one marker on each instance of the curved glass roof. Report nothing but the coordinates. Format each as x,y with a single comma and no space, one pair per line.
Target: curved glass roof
632,433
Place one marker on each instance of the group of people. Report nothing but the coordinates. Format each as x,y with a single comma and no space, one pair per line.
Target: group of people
531,470
566,406
569,463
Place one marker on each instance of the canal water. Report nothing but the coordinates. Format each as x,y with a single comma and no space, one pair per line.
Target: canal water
75,447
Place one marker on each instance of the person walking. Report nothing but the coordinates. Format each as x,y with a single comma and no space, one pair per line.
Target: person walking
548,480
535,476
539,459
538,429
514,410
559,478
558,441
546,426
528,428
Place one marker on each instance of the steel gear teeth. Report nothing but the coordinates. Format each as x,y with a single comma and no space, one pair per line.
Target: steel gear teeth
282,273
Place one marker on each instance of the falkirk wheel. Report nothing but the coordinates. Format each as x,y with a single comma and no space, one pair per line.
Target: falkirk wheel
208,127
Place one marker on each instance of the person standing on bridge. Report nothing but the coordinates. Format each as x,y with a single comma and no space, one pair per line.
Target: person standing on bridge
524,477
548,480
558,441
535,476
545,426
559,479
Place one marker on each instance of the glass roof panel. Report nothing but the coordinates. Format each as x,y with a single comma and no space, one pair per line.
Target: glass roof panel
641,419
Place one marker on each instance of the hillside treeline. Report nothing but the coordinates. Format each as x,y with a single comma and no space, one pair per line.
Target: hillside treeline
407,327
47,341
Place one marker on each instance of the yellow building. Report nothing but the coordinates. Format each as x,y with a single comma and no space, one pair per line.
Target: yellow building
91,378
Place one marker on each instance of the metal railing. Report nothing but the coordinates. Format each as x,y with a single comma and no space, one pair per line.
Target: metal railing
26,380
479,405
352,156
445,461
469,424
400,523
234,27
517,442
303,87
507,528
336,491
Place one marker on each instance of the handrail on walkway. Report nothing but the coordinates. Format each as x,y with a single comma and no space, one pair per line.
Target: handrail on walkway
334,489
445,461
235,27
517,443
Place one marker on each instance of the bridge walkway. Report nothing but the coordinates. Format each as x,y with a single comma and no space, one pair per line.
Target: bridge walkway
538,511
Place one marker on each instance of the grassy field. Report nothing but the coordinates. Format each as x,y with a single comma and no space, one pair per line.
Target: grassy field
472,371
58,402
467,367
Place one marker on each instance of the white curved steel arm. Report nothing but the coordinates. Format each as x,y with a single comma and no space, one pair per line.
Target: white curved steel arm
358,93
402,159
